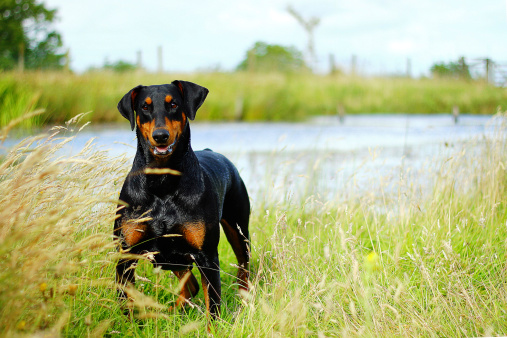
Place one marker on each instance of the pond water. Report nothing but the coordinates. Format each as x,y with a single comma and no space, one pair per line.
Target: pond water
321,155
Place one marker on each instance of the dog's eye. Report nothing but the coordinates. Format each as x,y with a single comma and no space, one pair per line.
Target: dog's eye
174,105
144,107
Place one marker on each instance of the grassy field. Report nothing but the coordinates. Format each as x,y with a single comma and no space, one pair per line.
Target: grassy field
409,266
244,96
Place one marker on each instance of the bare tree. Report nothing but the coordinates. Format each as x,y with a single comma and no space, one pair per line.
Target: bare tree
308,25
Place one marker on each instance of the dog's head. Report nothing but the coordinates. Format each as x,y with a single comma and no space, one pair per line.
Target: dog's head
161,112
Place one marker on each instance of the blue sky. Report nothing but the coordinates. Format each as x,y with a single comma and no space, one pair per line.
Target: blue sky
199,35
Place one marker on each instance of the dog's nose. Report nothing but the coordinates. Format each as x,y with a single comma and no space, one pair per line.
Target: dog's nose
160,136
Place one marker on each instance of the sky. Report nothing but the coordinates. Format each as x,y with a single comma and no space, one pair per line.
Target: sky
199,35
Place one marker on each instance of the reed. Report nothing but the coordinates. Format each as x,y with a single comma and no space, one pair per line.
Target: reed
246,96
411,261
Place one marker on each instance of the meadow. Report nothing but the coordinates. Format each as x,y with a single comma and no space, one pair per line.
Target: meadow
403,263
243,96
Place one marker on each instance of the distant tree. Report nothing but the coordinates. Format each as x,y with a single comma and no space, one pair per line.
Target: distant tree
120,66
263,57
117,67
26,34
456,70
308,25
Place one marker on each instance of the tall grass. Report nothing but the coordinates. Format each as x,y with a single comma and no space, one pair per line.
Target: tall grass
379,264
15,103
248,96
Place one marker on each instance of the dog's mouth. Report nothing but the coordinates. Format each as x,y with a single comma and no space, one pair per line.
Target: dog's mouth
164,150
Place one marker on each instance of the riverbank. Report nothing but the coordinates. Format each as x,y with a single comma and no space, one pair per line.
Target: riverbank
244,96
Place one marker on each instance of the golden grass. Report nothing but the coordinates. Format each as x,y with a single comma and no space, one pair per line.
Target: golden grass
53,209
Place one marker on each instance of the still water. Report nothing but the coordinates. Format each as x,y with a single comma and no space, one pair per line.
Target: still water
321,156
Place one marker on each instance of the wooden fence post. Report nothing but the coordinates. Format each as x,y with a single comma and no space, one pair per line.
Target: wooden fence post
455,113
139,61
160,67
340,110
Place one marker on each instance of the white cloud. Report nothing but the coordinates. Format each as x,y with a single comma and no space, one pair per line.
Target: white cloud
404,47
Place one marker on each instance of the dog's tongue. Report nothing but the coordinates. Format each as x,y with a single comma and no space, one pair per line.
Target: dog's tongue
162,149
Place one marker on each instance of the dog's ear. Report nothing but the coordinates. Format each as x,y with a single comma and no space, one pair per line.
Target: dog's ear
126,105
193,96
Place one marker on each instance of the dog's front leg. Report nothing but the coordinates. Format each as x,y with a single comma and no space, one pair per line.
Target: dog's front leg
209,267
125,277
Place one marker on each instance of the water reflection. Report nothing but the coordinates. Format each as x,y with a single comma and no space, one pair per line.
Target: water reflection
321,156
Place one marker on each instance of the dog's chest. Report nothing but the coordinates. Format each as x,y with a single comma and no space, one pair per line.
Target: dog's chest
166,215
171,221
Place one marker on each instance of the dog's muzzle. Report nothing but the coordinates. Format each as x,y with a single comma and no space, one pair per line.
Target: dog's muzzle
164,150
160,136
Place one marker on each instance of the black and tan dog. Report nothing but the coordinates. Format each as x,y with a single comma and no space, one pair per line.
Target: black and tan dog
175,198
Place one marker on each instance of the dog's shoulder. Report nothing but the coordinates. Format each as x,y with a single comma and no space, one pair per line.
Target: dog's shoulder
211,161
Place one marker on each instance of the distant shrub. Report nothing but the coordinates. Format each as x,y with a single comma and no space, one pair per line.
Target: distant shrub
457,70
263,57
117,67
120,66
